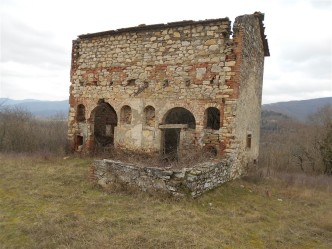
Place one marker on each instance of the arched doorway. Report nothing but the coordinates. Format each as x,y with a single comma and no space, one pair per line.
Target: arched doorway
104,119
175,121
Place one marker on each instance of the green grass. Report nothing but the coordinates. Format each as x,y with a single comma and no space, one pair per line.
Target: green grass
50,203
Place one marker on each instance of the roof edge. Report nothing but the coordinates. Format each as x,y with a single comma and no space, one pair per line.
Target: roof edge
260,17
144,27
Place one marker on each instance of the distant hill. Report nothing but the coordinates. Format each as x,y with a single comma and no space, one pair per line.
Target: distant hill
39,108
294,109
298,109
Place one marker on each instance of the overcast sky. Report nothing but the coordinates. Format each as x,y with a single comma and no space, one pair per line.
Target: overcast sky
36,38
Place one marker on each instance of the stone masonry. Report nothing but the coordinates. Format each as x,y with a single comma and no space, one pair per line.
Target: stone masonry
170,89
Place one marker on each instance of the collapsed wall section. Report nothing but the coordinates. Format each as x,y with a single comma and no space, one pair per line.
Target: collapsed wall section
250,50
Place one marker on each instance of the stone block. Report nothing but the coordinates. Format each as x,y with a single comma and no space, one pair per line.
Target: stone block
211,42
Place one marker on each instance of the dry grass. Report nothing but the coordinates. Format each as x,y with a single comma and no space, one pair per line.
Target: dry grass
187,159
49,203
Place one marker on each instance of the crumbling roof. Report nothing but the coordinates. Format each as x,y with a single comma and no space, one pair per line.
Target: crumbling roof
260,16
144,27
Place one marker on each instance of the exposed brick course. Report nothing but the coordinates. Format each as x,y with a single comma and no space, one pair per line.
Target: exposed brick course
190,65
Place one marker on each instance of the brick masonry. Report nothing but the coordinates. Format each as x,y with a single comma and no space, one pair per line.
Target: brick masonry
135,86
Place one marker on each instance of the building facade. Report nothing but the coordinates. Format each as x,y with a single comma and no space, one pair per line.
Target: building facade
170,88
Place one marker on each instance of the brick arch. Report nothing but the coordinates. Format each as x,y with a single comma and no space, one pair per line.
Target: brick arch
163,112
179,115
103,119
174,120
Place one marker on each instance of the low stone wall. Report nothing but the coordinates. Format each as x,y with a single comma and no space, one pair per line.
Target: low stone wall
187,181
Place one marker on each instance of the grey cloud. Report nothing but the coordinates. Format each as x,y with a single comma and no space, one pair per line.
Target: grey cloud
302,51
313,60
321,4
23,44
300,87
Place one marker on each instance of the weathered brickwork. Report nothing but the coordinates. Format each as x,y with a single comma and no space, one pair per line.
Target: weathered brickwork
169,88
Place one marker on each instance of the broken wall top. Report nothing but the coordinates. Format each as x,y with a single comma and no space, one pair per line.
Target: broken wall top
143,27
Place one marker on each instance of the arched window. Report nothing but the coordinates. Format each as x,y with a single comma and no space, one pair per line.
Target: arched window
125,115
80,113
149,115
212,118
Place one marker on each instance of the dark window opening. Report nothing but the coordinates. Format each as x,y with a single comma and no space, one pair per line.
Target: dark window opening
212,118
210,151
125,115
131,82
166,83
149,114
79,142
187,82
249,141
80,113
213,80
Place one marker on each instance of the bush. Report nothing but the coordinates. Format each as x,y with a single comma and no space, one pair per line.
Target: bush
21,132
298,147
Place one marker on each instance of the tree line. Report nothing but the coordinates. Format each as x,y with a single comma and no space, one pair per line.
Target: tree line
21,132
286,145
293,146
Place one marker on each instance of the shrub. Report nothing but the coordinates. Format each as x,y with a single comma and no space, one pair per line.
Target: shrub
21,132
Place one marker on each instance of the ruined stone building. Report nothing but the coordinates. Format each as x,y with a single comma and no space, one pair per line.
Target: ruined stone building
171,88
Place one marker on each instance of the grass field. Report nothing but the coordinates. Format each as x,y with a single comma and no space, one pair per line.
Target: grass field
48,202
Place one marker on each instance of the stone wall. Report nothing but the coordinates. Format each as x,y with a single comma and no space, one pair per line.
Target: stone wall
187,181
181,64
174,87
250,55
